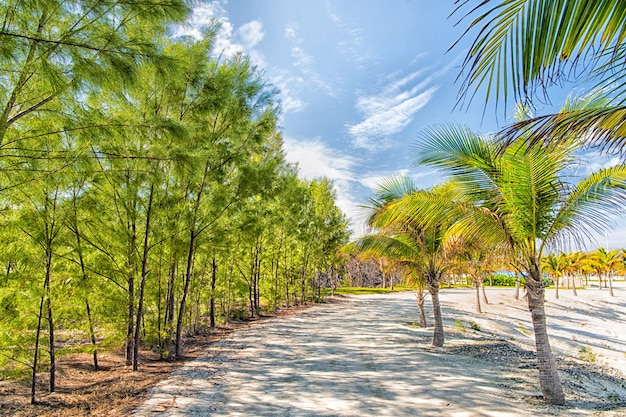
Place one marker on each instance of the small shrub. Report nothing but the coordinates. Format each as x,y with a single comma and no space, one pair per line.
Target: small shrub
458,324
501,280
474,326
522,329
586,354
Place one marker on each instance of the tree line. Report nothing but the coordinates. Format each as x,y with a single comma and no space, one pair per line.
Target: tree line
144,193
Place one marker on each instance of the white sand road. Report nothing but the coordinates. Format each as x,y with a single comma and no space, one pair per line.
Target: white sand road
362,357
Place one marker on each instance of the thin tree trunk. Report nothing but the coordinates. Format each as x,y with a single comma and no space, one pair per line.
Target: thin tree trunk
230,280
181,310
142,284
92,336
548,376
33,380
212,300
438,335
574,286
419,294
517,285
168,345
79,248
556,285
131,298
484,294
47,291
610,280
51,348
477,291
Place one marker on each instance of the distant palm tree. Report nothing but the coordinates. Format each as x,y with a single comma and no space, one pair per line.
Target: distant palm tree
555,266
520,197
522,47
402,239
605,262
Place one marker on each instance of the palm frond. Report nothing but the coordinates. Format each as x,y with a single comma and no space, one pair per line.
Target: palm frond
525,46
588,207
602,128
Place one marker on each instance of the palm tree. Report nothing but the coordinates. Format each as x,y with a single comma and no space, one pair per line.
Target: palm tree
402,239
555,266
523,47
604,262
477,257
519,196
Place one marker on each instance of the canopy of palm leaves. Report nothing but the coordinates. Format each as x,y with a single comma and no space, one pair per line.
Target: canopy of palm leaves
523,47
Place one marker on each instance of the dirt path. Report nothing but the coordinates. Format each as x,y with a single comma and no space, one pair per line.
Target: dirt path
363,358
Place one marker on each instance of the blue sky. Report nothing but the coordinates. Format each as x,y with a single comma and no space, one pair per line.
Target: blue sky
358,80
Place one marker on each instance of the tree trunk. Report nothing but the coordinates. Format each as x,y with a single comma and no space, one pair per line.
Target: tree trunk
79,248
609,278
517,285
131,297
574,286
51,349
477,291
33,381
548,376
168,325
212,300
92,336
556,286
183,300
438,335
484,294
419,294
142,284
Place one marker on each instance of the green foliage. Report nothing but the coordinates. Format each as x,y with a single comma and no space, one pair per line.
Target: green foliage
502,280
586,354
458,324
522,329
149,180
474,326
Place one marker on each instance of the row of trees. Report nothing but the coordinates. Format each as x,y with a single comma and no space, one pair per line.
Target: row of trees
576,268
144,192
508,195
510,203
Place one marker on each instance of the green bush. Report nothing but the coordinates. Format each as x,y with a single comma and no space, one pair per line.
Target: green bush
502,280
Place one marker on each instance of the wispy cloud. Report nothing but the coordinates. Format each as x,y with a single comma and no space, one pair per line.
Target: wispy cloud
390,111
251,33
352,42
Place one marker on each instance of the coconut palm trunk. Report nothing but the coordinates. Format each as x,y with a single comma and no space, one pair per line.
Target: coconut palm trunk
419,295
548,376
433,277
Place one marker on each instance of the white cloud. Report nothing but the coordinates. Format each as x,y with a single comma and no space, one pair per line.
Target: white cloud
251,33
292,33
290,102
387,114
228,41
373,180
316,160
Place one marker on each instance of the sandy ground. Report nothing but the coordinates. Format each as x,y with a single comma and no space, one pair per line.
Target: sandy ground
364,357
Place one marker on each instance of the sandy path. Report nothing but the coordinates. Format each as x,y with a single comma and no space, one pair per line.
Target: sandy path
362,358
